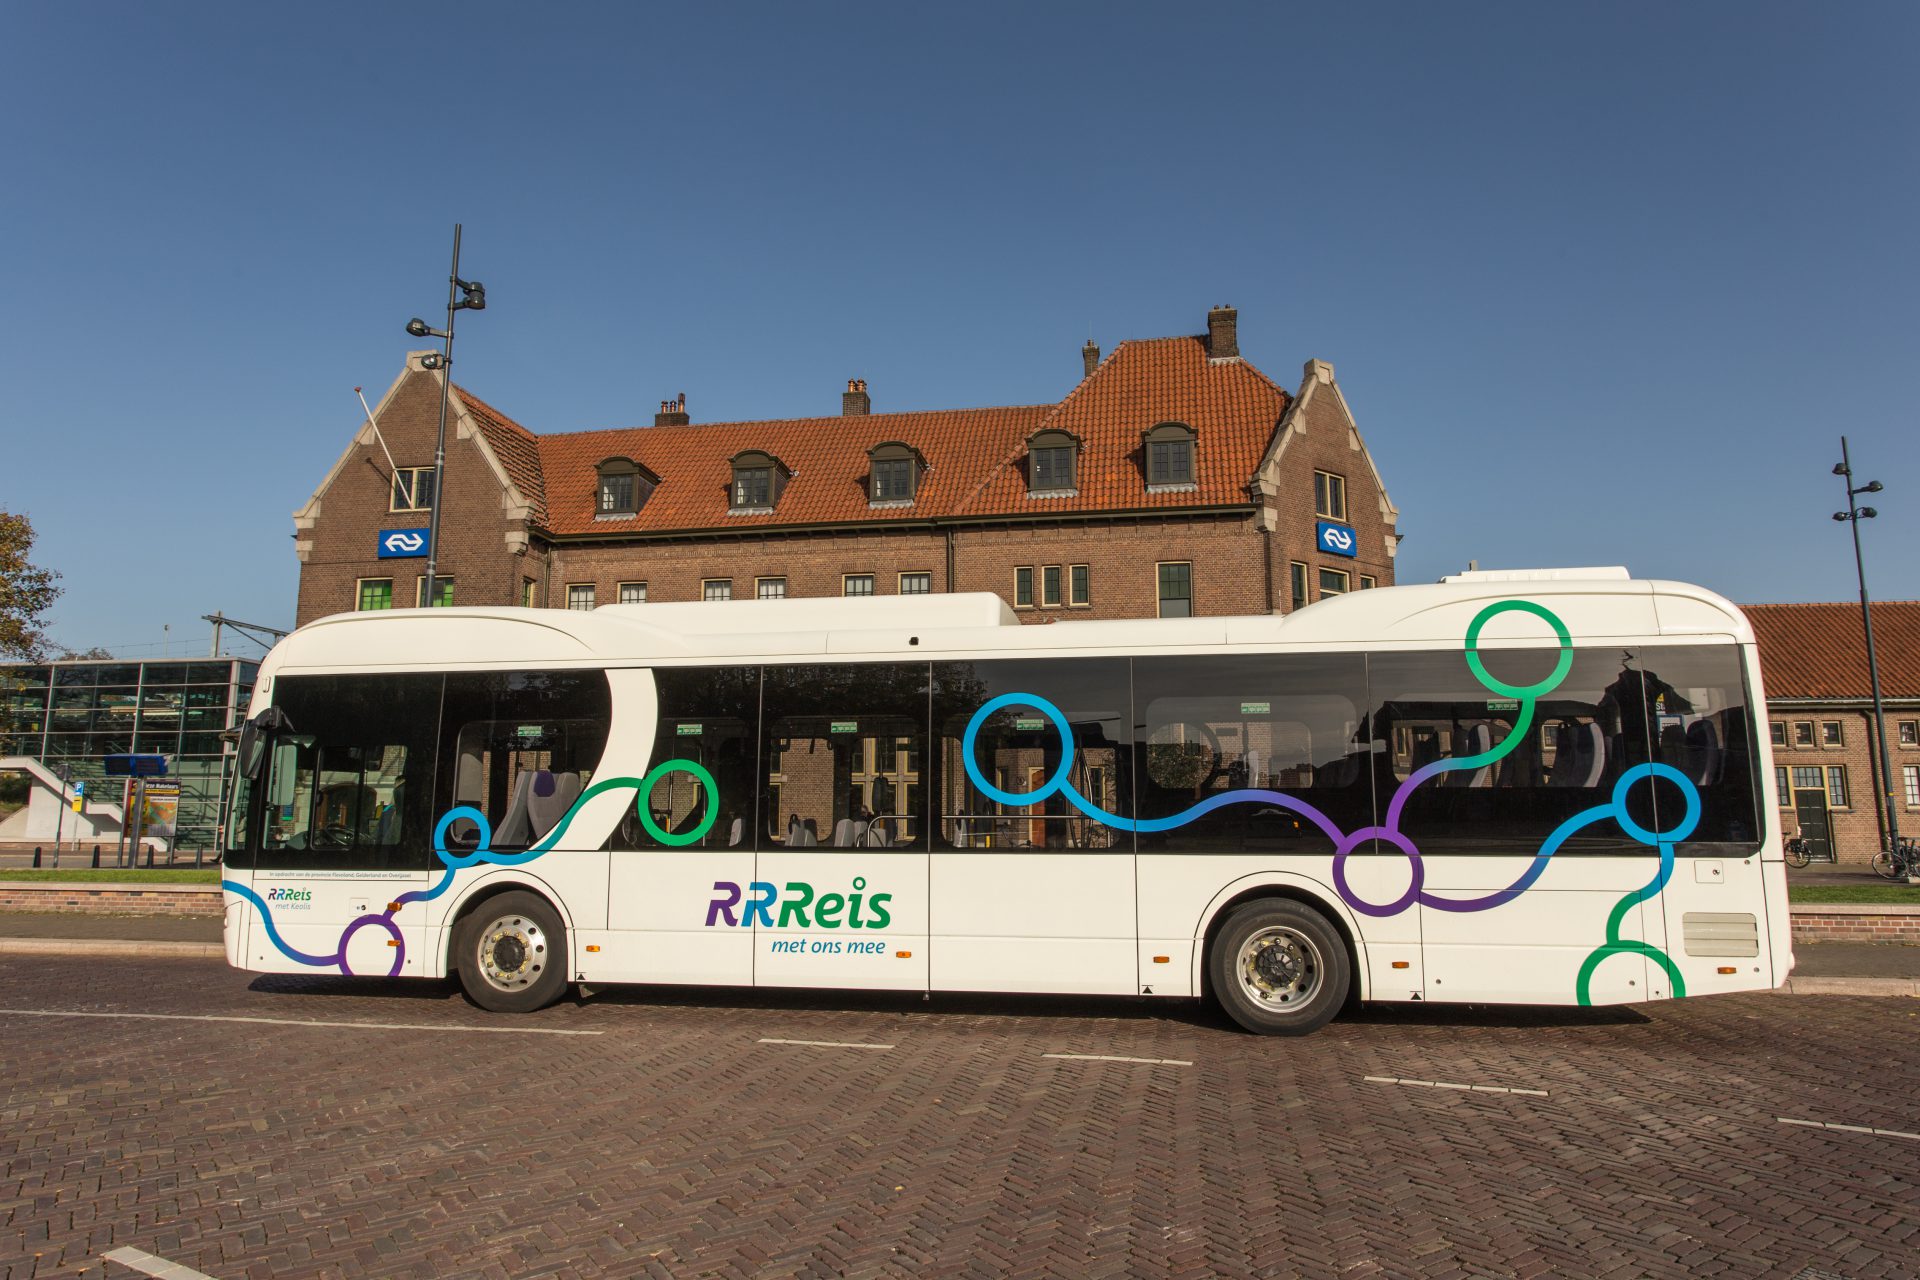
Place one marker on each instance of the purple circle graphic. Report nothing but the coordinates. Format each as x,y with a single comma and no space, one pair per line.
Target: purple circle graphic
1416,871
385,922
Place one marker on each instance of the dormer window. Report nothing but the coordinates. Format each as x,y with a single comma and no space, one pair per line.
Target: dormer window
623,489
1169,455
894,474
1053,463
758,479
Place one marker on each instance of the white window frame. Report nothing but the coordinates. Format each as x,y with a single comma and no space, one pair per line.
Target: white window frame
760,586
620,592
1158,602
1839,734
592,596
1336,489
848,579
901,586
1017,571
413,489
708,593
1086,601
1839,771
1910,785
1059,594
360,594
1320,576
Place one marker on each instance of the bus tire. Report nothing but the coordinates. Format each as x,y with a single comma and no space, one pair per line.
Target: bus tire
512,953
1279,968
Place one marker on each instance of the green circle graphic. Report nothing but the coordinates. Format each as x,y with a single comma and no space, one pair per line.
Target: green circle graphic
701,827
1542,688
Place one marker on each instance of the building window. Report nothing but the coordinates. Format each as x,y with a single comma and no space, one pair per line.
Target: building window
1329,495
526,593
1298,574
856,584
1809,778
758,479
442,591
1367,583
1779,730
894,473
1023,588
412,489
1910,784
1803,733
1781,785
1079,586
376,593
1910,733
1830,733
716,589
769,588
1169,450
1175,589
1836,786
1050,586
632,593
916,584
579,595
1333,582
1050,462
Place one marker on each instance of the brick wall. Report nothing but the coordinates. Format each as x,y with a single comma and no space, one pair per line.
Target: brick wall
1327,443
112,899
354,509
1856,828
1848,922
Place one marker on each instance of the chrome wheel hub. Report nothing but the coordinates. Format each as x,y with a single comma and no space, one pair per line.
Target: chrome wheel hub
512,952
1279,967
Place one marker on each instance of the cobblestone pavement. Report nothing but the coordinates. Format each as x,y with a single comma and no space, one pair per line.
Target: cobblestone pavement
340,1128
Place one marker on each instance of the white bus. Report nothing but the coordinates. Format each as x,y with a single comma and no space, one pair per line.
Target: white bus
1540,787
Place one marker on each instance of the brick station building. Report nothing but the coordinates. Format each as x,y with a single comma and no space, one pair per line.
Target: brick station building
1826,753
1175,478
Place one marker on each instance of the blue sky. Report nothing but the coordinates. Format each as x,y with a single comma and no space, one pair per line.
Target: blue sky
1602,284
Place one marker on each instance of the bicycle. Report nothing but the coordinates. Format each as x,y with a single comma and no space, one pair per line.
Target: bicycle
1798,851
1898,864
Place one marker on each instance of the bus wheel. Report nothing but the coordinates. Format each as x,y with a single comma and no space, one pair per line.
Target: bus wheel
1279,968
513,953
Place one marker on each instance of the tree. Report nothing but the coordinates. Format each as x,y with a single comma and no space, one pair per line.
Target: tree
26,592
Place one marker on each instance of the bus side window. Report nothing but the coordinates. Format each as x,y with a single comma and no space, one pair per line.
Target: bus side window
1583,735
843,749
1697,702
521,747
708,717
1289,726
1018,749
350,784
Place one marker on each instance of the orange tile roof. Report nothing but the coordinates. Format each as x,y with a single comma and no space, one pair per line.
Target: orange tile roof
517,448
1820,650
975,457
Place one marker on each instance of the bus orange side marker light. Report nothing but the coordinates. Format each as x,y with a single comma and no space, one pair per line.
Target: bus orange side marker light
1727,968
1162,959
393,906
393,942
593,946
903,955
1402,964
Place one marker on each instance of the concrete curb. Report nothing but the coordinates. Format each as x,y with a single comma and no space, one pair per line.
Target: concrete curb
1850,987
117,947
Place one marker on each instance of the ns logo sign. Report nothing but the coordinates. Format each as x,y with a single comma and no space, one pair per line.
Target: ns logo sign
1337,539
402,543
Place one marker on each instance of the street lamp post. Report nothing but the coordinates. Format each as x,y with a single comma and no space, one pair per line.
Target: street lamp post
1853,516
462,295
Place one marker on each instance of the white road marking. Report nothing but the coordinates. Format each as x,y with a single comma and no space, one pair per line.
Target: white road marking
1850,1128
1107,1057
148,1264
1470,1088
294,1022
828,1044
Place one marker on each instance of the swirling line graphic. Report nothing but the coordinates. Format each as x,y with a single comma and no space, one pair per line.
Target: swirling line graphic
483,851
1389,832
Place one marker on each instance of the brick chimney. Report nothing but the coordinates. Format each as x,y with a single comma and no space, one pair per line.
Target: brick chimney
1090,357
673,413
1223,334
854,401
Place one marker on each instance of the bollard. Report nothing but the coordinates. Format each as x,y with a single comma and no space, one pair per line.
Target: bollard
149,857
96,857
196,857
36,857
